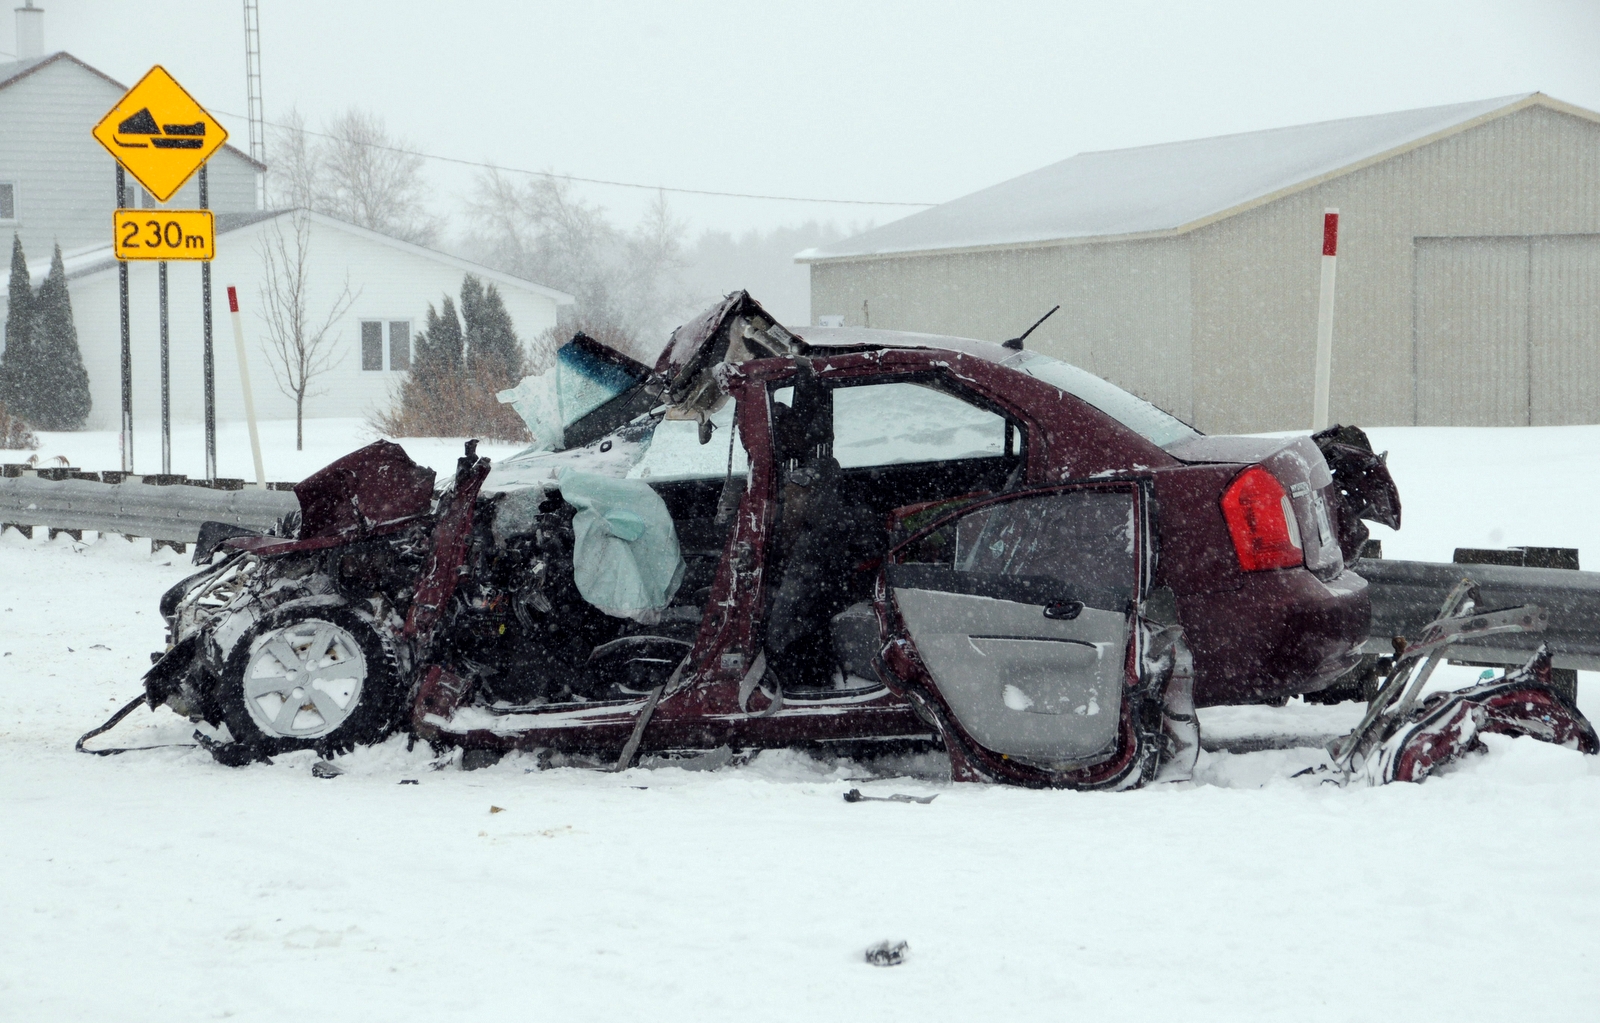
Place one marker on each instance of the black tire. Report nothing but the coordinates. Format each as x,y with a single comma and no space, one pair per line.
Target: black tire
362,704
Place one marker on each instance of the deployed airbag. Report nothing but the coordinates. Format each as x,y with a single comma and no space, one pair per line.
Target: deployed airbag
625,557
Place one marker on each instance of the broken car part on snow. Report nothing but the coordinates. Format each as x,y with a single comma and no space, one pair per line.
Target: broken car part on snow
927,541
1406,736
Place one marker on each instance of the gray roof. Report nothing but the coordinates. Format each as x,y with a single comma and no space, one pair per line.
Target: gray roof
96,259
14,68
1169,188
15,71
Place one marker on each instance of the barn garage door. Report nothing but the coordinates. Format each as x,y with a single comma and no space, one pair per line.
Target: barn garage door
1564,329
1507,331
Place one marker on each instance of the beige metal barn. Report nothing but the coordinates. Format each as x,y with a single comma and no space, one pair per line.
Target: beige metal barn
1468,281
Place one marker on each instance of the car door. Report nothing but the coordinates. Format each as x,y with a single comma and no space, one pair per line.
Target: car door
1021,608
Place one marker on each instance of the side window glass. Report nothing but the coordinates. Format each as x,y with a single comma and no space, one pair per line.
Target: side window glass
886,424
1083,538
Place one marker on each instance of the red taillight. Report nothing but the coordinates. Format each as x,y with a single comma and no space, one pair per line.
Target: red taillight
1262,522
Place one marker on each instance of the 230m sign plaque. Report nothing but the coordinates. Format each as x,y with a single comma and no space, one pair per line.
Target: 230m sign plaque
164,234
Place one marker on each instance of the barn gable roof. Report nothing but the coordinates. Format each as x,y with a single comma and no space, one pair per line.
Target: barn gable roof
1172,188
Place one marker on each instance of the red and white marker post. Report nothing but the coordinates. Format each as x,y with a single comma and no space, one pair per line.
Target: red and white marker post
1324,377
244,382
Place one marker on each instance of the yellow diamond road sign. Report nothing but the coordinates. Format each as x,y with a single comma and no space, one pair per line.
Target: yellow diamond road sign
160,134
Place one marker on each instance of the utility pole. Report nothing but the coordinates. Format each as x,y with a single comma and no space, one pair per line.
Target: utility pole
253,108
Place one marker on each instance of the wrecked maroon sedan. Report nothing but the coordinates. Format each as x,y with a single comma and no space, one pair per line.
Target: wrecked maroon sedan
871,539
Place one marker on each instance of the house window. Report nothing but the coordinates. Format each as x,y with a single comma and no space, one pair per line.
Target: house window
399,345
8,201
371,345
373,349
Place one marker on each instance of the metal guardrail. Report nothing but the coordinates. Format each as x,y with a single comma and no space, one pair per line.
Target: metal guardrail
1406,596
170,514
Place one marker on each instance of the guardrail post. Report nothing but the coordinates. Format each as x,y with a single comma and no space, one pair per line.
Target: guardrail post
1562,680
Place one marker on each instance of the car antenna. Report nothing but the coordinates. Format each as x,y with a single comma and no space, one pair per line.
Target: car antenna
1016,342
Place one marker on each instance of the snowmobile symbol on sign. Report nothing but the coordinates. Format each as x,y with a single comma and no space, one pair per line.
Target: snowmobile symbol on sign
160,134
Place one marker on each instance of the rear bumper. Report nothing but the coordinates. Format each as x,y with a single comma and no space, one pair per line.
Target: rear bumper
1280,634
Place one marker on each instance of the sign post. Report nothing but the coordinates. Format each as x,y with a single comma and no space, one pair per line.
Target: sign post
210,364
161,235
166,376
125,438
158,133
1324,377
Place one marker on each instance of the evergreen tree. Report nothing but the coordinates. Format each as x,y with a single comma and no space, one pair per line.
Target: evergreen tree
493,352
471,312
456,372
16,365
62,384
439,354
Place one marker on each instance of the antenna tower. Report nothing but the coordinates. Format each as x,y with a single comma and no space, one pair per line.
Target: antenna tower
252,77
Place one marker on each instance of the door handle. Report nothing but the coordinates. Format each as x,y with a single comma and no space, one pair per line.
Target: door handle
1063,610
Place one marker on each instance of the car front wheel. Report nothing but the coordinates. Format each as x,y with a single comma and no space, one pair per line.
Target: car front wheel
311,678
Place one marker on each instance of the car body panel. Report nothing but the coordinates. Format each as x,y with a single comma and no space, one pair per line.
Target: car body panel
1021,608
940,671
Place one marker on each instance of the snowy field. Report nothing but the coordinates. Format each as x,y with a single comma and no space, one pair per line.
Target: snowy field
325,440
161,886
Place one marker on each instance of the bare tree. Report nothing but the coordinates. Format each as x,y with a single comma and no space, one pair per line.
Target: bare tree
353,170
627,284
294,178
372,180
654,267
299,346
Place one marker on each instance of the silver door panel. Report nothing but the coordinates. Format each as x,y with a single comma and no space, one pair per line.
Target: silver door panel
1022,684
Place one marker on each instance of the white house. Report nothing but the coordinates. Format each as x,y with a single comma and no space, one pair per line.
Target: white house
57,187
392,283
57,184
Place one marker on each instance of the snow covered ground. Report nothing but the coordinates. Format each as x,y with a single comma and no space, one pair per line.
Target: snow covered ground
159,885
325,440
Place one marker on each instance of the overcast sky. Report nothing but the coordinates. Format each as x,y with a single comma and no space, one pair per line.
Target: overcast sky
865,100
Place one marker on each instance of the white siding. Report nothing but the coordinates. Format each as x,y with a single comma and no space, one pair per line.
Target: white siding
1124,308
390,284
66,182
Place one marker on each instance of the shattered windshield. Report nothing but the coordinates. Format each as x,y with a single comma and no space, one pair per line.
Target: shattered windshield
585,381
1151,423
580,398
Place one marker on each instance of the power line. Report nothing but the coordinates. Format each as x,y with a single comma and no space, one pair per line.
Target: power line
589,181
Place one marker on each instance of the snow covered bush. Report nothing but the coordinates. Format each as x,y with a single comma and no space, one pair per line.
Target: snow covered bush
14,433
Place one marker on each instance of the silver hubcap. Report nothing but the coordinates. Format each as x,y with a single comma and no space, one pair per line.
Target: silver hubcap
303,681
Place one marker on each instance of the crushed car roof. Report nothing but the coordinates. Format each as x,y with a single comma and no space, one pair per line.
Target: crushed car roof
704,339
872,337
